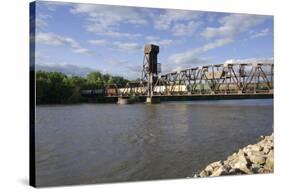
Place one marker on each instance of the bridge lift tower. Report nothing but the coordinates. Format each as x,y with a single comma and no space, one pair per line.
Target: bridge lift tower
150,70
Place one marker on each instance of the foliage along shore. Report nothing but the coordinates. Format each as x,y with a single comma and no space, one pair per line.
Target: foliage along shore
256,158
58,88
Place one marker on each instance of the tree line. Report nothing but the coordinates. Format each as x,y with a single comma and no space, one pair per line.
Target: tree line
58,88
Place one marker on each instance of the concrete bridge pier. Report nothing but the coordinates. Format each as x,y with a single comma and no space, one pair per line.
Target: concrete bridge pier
124,100
152,100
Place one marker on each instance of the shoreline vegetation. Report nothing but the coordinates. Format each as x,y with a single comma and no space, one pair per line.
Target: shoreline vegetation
58,88
252,159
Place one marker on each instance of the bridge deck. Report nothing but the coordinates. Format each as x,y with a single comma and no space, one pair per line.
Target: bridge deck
113,99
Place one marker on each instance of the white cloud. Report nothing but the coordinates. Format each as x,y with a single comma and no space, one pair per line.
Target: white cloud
178,68
127,46
40,24
82,51
54,39
169,17
164,43
100,42
161,42
52,5
112,15
57,40
120,34
104,20
217,43
232,25
188,29
251,60
40,21
151,38
193,56
262,33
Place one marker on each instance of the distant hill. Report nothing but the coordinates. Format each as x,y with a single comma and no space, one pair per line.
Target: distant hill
67,69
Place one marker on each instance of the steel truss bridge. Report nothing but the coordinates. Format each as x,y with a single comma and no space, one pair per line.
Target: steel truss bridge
250,80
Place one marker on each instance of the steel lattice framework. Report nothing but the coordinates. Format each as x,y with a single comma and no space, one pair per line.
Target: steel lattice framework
231,78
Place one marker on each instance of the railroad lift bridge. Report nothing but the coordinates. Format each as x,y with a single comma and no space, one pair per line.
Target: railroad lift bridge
207,82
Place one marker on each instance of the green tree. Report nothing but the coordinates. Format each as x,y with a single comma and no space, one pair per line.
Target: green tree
55,87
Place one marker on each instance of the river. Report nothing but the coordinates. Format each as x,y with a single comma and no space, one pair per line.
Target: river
94,143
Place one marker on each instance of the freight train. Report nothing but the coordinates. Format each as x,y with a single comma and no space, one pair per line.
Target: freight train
113,90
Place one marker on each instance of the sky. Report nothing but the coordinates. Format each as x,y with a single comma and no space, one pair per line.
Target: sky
76,38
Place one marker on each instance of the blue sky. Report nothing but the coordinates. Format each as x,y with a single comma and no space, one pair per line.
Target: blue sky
78,38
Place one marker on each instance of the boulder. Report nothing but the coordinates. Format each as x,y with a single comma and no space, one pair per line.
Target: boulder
235,172
264,170
231,160
255,167
216,164
266,150
256,157
254,147
203,173
209,169
219,171
242,163
261,138
269,164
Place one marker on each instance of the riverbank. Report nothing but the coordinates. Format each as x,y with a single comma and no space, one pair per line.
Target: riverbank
254,158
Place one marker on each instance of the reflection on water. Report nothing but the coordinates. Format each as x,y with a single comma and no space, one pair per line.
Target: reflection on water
92,143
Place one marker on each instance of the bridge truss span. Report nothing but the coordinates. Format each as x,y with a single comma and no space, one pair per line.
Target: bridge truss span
228,78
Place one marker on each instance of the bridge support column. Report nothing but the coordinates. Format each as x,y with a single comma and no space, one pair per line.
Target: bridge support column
124,100
152,100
